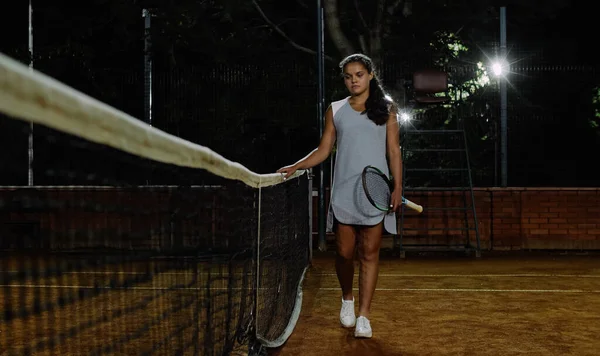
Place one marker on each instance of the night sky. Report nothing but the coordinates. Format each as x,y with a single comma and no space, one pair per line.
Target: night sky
565,38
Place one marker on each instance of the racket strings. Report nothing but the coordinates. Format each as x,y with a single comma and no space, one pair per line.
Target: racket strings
377,189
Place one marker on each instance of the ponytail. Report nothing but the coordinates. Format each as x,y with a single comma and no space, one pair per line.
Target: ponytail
378,105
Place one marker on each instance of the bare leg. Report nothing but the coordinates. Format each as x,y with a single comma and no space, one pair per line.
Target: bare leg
368,252
344,261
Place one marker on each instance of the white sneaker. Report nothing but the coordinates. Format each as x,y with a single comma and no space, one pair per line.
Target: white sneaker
363,328
347,317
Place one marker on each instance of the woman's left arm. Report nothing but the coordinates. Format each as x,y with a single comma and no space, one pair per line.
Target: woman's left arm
395,159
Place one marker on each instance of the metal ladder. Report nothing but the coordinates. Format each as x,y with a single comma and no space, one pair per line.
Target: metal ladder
433,159
439,210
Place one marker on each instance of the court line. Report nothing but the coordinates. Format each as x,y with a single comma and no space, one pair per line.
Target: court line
480,275
135,273
47,286
333,274
466,290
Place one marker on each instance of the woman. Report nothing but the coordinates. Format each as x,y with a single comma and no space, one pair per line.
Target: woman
366,129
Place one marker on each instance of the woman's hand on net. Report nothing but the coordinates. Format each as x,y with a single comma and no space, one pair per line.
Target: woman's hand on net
287,171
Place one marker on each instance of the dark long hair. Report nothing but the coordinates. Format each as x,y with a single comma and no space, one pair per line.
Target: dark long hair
378,105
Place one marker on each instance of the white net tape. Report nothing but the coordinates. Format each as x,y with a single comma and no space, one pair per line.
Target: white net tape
29,95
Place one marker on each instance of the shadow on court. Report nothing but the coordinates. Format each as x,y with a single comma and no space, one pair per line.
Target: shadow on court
515,303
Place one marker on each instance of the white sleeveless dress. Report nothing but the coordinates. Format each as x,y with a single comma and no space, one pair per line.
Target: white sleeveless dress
360,142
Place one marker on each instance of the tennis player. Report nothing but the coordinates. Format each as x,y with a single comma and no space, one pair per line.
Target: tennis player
365,128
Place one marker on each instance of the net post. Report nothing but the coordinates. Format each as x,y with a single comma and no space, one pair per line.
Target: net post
254,337
147,66
30,134
320,106
310,215
503,104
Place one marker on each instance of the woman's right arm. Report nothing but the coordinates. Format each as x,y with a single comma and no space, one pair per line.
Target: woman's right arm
318,155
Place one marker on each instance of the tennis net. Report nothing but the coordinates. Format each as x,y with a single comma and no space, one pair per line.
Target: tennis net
133,241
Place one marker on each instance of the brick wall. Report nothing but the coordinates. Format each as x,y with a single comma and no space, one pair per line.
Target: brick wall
509,218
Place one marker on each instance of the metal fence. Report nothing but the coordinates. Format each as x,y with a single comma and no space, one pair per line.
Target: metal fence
263,114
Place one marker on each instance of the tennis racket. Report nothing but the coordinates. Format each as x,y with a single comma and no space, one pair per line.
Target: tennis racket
378,188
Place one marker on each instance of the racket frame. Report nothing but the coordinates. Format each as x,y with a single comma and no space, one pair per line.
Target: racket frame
390,183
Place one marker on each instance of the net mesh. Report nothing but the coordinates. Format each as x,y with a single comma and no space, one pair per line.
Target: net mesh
132,241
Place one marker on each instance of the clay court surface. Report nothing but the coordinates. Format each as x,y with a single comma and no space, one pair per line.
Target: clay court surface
516,303
500,304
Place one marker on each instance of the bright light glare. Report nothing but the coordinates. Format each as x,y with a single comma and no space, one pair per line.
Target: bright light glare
497,68
404,117
500,67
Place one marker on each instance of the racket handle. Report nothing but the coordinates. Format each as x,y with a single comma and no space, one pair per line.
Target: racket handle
412,205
